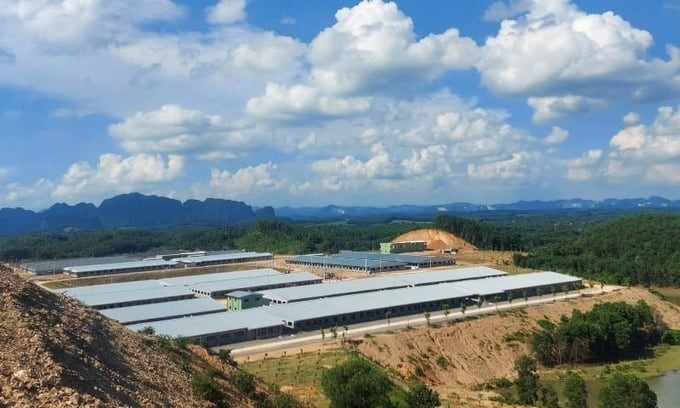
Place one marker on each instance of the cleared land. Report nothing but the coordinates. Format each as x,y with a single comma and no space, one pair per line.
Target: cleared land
455,358
436,239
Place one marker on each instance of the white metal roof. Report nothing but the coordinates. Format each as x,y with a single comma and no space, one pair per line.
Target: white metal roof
162,292
159,263
369,284
220,276
231,256
231,285
213,323
163,310
108,288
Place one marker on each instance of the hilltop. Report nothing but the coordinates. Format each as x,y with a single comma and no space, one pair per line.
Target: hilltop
58,353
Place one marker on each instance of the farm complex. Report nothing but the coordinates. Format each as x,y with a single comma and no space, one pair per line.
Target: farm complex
230,307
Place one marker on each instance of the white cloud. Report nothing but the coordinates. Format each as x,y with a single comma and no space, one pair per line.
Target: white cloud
557,135
373,46
554,107
300,102
227,12
245,182
116,174
556,50
36,196
583,168
631,118
66,25
521,166
288,21
500,10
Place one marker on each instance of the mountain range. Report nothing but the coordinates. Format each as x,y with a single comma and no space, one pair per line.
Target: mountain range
138,210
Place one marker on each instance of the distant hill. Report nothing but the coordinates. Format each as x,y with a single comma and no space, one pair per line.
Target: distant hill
334,211
130,210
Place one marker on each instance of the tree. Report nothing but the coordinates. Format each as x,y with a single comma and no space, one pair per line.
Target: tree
575,391
427,317
511,297
525,294
388,316
547,397
496,300
463,308
356,384
147,330
334,332
527,380
445,308
627,391
480,302
420,395
539,292
323,333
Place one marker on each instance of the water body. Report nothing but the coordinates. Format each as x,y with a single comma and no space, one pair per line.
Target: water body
667,388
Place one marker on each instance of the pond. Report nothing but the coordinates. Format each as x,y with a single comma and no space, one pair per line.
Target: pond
667,388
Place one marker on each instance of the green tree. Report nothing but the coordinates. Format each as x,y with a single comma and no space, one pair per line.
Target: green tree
447,310
388,316
547,397
427,317
356,384
575,391
496,300
420,395
527,380
627,391
463,308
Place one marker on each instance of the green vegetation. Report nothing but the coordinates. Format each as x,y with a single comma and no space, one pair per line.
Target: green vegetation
638,249
203,386
627,391
609,332
356,384
420,395
527,380
575,391
480,234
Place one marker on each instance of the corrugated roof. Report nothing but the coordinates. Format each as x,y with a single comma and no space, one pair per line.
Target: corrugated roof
220,276
492,286
159,263
241,294
409,259
253,282
163,310
163,292
224,257
252,319
299,293
345,261
58,264
108,288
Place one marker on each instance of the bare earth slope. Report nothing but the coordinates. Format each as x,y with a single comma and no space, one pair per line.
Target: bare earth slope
455,357
436,239
57,353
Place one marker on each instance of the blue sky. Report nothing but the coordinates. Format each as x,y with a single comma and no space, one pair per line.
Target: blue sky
297,102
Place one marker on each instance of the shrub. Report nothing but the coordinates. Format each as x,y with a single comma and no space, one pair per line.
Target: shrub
203,386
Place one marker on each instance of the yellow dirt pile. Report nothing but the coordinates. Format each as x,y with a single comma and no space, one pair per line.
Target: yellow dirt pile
436,239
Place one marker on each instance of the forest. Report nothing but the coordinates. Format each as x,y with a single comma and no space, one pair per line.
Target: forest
609,246
631,250
609,332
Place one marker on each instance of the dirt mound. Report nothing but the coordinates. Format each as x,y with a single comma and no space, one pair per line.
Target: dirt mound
58,353
436,239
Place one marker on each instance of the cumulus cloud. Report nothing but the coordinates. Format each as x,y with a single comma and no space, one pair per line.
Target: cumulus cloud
301,102
227,12
554,107
520,166
583,167
59,26
116,174
557,135
242,183
555,50
373,46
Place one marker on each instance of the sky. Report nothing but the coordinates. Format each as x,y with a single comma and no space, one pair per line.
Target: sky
310,103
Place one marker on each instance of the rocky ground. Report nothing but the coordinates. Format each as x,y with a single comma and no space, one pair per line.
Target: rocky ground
58,353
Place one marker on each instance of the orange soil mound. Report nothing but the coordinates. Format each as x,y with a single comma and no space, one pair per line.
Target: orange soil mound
436,239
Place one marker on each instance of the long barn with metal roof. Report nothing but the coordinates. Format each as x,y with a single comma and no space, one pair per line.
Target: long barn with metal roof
348,287
349,309
219,276
163,311
220,288
119,267
410,260
347,263
225,258
136,297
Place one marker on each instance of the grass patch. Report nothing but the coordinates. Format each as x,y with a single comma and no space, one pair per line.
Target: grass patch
668,294
299,374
